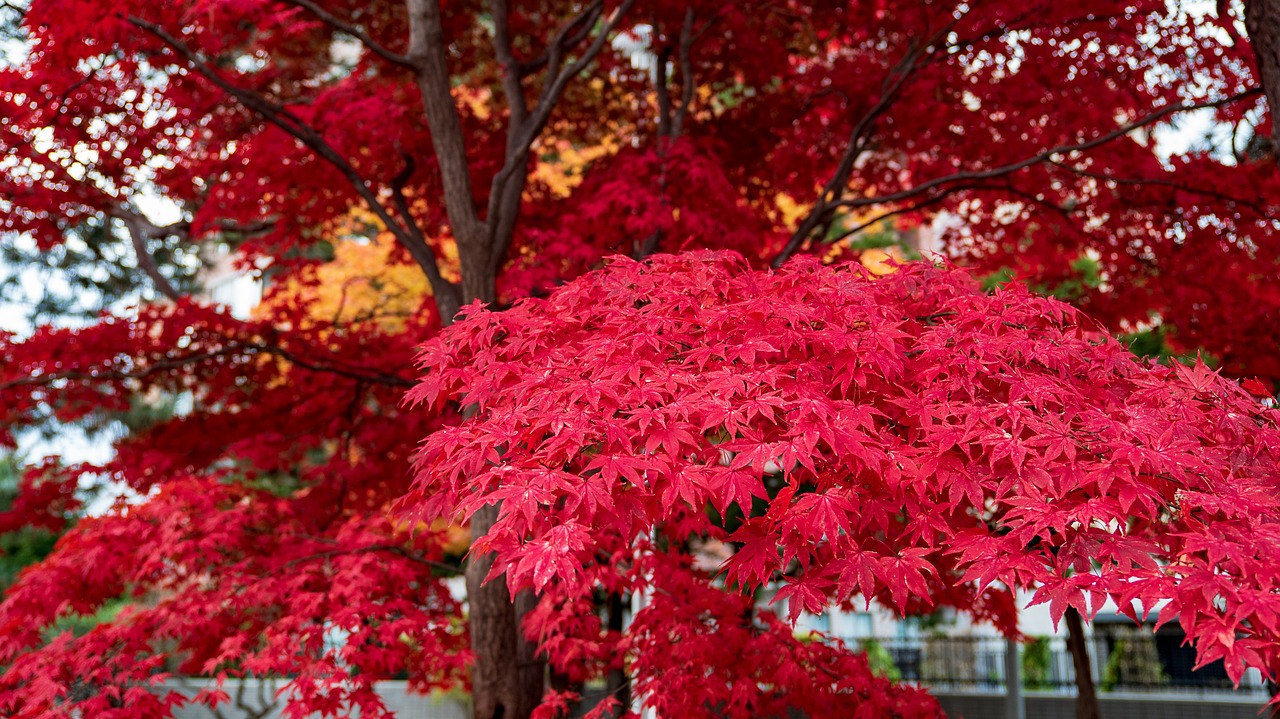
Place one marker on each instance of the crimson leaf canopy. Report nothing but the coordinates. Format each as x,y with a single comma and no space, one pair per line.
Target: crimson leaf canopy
908,439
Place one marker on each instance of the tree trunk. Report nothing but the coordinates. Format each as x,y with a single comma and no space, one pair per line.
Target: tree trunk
507,677
617,682
531,669
1086,695
1262,21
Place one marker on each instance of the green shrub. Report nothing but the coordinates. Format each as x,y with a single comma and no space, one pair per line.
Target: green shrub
880,660
1133,662
1036,660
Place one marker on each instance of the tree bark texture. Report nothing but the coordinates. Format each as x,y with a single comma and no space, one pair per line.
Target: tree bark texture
1086,695
1262,21
507,677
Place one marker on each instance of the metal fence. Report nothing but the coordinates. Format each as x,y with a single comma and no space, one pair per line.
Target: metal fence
258,699
1120,662
1139,676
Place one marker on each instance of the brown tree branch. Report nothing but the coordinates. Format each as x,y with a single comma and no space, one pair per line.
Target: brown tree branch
242,228
586,19
140,231
427,48
1263,212
1046,155
670,122
898,211
409,235
1260,211
1017,24
347,28
504,204
820,215
397,186
1262,21
566,39
389,548
511,74
139,228
507,187
102,374
551,92
504,199
686,71
663,92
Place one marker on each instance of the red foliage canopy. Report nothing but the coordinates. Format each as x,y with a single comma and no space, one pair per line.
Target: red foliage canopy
263,121
264,529
908,438
1029,121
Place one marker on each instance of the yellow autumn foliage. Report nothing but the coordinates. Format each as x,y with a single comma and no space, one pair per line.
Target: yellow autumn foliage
364,282
879,260
563,165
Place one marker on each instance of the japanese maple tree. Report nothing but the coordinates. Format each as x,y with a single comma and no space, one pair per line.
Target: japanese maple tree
267,516
905,438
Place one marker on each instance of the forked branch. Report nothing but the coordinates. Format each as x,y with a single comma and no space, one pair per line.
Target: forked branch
351,29
407,234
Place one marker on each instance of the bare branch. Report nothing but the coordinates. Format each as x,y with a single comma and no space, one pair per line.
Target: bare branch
558,47
1262,20
821,213
686,72
828,205
1263,212
552,91
507,187
427,52
503,202
102,374
511,72
894,213
670,123
1003,187
1047,155
409,235
569,37
663,92
397,188
245,228
389,548
140,231
349,29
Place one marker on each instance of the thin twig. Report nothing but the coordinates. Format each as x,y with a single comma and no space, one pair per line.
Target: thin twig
390,548
503,205
1049,154
1160,182
410,236
820,214
349,29
102,374
686,71
139,234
